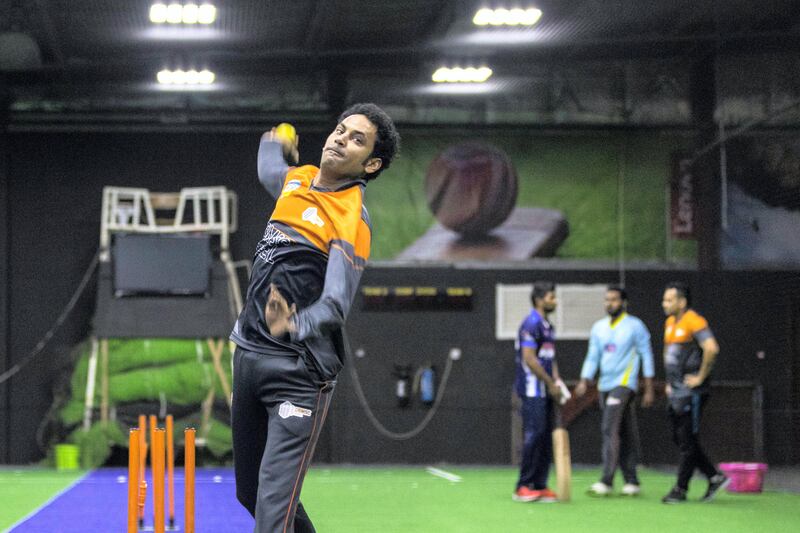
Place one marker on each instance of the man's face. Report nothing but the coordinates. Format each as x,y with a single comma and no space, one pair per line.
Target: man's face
549,302
672,303
347,150
614,303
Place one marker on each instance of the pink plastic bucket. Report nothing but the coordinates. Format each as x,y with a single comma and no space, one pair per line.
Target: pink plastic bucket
745,477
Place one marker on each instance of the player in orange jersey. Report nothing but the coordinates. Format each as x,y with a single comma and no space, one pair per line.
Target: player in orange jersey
689,353
290,339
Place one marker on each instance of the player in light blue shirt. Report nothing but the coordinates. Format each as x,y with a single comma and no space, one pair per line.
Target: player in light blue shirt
619,346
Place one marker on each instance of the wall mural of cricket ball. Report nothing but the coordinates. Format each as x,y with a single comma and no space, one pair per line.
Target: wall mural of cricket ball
471,188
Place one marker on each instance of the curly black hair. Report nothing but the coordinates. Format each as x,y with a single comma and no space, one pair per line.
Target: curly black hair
387,140
540,290
682,289
623,294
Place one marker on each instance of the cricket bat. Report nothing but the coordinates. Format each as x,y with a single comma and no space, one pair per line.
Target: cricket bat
561,453
561,457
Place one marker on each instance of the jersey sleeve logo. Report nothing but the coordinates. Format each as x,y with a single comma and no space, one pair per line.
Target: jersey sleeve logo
292,185
311,215
547,351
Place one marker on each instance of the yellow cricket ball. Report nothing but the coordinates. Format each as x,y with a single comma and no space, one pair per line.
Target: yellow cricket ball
285,132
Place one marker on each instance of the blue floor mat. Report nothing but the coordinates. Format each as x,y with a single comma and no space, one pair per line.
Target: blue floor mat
98,503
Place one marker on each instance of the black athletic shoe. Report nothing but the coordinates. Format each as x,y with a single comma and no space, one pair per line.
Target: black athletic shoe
676,495
715,484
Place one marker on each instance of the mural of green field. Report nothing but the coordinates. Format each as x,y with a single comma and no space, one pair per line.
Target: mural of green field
579,174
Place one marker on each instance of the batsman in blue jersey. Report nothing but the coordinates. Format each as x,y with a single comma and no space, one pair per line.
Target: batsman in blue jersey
619,346
536,385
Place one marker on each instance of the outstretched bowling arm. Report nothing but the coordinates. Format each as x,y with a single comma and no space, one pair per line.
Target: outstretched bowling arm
272,167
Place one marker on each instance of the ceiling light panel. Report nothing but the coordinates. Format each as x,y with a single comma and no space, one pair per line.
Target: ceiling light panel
189,13
185,77
507,17
461,75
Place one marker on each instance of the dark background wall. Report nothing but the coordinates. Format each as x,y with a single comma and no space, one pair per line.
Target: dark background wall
52,191
4,285
749,313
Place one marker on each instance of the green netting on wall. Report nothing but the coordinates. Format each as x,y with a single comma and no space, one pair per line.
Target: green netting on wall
148,376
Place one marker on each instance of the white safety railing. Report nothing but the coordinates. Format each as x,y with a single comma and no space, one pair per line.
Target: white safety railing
210,210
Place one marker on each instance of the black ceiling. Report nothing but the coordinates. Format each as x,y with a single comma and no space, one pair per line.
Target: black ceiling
109,52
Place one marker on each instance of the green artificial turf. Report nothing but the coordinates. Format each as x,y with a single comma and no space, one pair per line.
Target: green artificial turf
183,375
411,500
23,490
145,372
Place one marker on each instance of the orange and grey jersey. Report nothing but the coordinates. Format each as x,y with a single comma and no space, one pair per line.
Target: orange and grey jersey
314,250
682,352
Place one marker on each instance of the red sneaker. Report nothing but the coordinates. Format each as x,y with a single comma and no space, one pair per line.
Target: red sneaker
547,496
524,494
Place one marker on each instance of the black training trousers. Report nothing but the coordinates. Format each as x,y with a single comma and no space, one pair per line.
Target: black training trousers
620,435
685,415
277,414
537,445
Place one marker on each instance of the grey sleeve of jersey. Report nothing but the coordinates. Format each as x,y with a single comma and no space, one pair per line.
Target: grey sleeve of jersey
272,167
703,335
341,282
